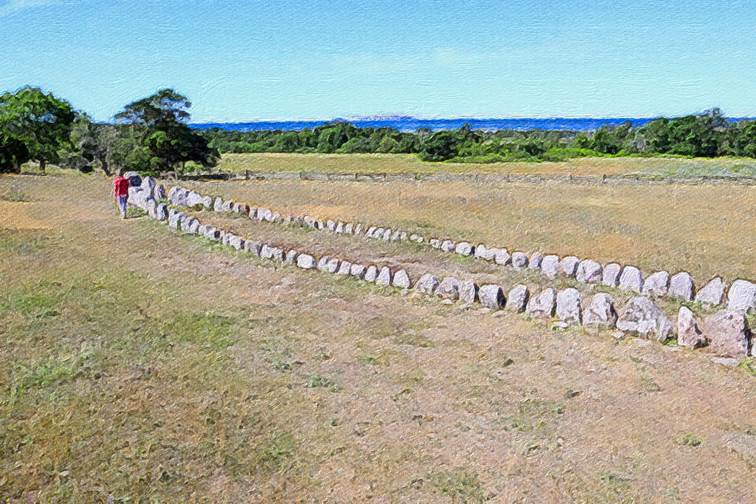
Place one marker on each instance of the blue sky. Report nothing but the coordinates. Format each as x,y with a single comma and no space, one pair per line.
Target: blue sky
245,60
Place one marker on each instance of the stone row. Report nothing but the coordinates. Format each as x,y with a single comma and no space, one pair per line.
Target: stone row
741,295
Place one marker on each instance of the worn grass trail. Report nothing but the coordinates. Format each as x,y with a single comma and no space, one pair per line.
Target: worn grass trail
149,366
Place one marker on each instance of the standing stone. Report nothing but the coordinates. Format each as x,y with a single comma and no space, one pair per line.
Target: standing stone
427,284
236,242
741,296
358,228
323,263
535,260
600,312
253,247
502,257
468,292
550,266
370,231
542,305
339,227
396,235
344,268
728,333
568,266
448,289
568,306
447,246
331,225
227,206
688,332
611,275
266,251
386,235
681,286
218,204
348,228
291,256
371,274
384,276
483,252
151,205
588,271
161,212
416,238
641,317
277,254
332,266
464,249
305,261
357,271
656,284
435,243
401,280
517,298
491,296
711,293
160,192
194,227
519,260
631,279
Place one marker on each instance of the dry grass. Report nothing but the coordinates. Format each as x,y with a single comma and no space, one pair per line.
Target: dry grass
149,366
705,229
409,163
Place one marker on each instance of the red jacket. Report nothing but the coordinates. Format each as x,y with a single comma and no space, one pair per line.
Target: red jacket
121,186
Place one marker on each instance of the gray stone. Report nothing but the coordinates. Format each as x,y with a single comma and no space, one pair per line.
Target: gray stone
344,268
600,312
656,284
568,306
464,248
332,266
401,280
236,242
161,212
741,296
502,257
357,270
266,251
491,296
641,317
386,235
339,227
468,292
688,332
611,275
435,243
568,266
712,293
589,271
330,225
228,206
728,333
218,204
517,298
348,228
358,229
384,276
519,260
194,199
371,273
291,256
416,238
150,206
305,261
550,266
193,226
277,254
253,247
485,253
542,305
175,220
681,286
448,289
447,246
396,235
631,279
427,284
535,261
159,193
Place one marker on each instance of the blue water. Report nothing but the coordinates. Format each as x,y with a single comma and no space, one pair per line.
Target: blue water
412,124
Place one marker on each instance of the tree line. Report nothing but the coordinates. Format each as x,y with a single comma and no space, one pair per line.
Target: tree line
149,135
152,135
709,134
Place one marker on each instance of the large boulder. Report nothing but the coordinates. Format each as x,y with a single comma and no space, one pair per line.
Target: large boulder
712,293
218,204
631,279
401,280
468,292
611,275
656,284
681,286
600,312
159,193
641,317
464,248
728,333
485,253
371,273
519,260
568,266
502,257
741,296
291,256
517,298
384,276
588,271
491,296
542,305
161,212
535,260
357,271
149,184
568,306
305,261
427,284
448,289
550,266
688,332
344,268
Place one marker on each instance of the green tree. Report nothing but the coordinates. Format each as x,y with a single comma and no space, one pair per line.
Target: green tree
440,146
38,120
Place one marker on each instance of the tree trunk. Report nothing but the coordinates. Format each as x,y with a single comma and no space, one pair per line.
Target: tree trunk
105,166
17,166
42,165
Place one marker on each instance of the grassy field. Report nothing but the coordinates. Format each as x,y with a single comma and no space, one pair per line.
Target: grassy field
704,229
408,163
137,365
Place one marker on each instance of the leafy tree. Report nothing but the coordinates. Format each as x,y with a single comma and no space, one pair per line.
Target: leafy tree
13,153
39,121
440,146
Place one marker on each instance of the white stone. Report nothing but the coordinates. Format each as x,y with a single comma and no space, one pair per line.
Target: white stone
427,284
384,276
344,268
568,266
631,279
519,260
568,306
550,266
656,284
681,286
448,289
491,296
712,293
741,296
464,248
483,252
253,247
401,280
517,298
468,292
641,317
600,312
611,275
371,273
542,304
535,261
727,332
502,257
291,256
688,332
589,271
305,261
447,246
357,271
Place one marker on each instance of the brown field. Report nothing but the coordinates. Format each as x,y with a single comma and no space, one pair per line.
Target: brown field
148,366
704,229
409,163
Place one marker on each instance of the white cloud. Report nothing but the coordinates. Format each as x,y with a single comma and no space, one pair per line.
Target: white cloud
13,6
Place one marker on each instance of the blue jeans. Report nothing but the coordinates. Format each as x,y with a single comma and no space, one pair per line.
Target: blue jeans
122,204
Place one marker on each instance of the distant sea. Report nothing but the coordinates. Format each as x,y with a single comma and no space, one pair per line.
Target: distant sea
412,124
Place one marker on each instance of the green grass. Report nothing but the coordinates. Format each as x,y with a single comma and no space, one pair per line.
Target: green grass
460,485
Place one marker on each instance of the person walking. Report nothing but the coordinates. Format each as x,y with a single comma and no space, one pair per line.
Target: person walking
121,193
